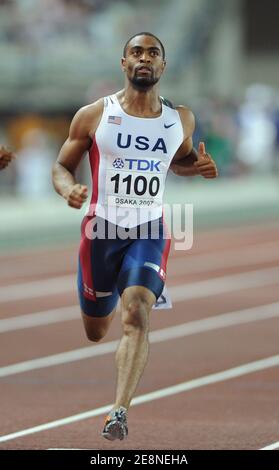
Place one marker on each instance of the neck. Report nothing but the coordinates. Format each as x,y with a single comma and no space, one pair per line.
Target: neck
140,102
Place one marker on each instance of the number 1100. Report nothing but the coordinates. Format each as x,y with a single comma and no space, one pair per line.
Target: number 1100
140,185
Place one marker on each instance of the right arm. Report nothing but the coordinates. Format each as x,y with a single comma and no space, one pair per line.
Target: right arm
84,123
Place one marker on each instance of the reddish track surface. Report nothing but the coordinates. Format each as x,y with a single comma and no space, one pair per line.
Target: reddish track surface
239,413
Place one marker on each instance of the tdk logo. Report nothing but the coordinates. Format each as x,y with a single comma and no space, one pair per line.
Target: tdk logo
118,163
142,165
141,143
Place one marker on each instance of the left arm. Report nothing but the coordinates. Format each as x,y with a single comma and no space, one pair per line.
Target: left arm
188,161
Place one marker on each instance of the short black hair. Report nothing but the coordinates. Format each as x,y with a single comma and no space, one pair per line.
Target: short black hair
144,33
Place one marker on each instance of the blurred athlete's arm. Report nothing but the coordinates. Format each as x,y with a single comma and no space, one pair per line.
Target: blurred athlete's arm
6,156
188,161
81,132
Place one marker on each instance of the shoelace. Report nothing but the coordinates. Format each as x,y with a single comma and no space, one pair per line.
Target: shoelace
120,415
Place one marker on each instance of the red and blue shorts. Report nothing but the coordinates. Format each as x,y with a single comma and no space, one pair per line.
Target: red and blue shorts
111,262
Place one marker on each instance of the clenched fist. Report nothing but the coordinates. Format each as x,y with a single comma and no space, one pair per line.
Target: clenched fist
6,156
205,165
77,196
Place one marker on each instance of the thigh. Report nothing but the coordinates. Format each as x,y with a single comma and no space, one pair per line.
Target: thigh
145,264
98,267
95,303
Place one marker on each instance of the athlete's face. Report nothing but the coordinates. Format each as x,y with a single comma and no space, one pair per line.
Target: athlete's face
144,62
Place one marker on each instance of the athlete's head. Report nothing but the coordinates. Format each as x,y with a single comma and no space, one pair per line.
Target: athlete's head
143,60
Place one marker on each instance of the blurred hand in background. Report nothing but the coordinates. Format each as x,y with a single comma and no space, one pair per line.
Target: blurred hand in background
6,156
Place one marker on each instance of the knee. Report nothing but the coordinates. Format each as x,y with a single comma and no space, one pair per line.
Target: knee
96,328
96,335
135,317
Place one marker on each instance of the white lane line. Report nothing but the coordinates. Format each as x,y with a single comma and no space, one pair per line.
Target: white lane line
213,233
271,447
28,252
192,290
180,293
185,265
187,262
35,289
238,317
207,262
228,374
225,284
46,317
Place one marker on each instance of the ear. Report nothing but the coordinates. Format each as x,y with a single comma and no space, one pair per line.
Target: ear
164,65
123,64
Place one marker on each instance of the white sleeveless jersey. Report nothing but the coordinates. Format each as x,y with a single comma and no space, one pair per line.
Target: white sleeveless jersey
129,159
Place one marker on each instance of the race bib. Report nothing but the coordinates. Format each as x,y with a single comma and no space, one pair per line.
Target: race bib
134,182
164,301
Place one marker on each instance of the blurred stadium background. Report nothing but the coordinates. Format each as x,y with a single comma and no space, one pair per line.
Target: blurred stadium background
222,61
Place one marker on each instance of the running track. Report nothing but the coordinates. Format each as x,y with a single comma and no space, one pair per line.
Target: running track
212,380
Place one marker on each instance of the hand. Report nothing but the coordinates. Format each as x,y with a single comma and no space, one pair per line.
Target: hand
6,156
77,196
205,165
